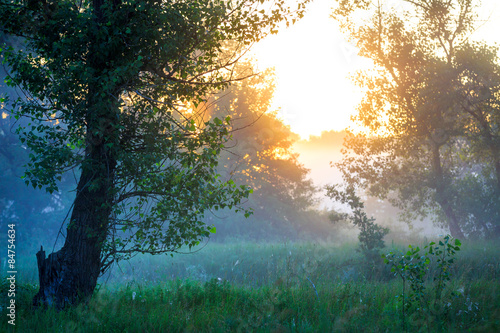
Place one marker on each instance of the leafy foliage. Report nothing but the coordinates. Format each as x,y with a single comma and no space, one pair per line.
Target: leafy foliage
430,112
111,89
413,266
371,236
260,154
34,213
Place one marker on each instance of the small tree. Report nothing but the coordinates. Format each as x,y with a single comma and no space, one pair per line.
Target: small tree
112,89
371,235
413,266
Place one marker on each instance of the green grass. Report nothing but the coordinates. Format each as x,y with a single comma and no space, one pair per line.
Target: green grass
300,287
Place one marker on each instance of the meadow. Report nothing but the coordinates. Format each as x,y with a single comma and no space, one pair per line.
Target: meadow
272,287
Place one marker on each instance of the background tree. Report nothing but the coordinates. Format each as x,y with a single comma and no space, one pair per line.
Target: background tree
105,84
430,112
32,213
260,154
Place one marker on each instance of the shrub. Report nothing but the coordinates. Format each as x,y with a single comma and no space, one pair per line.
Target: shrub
412,267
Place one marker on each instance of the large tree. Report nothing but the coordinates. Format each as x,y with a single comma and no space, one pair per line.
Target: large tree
430,112
109,88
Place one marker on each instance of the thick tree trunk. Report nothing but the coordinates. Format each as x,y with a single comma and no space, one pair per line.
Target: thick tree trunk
453,222
69,275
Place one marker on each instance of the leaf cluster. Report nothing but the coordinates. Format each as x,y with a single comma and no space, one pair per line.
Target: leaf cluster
371,236
413,266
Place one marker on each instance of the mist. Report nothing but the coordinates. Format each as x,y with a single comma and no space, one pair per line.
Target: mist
151,181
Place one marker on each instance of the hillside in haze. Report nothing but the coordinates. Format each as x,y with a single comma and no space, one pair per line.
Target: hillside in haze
318,152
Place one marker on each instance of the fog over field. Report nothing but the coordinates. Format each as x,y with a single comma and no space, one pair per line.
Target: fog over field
249,166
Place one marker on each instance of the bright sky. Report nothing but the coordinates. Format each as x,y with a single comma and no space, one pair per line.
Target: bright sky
313,62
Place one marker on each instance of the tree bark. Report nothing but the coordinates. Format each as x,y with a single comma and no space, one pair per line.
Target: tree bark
443,193
69,275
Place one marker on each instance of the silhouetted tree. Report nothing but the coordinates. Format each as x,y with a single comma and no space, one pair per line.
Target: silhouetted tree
430,112
260,154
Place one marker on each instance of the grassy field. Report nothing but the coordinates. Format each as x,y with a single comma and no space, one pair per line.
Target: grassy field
288,287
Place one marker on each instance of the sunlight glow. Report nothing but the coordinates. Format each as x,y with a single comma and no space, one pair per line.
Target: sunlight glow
279,153
313,63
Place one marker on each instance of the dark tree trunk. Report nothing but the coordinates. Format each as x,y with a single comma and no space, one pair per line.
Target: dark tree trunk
443,194
453,222
69,275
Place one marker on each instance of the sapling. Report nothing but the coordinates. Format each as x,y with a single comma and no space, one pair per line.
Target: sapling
371,236
413,266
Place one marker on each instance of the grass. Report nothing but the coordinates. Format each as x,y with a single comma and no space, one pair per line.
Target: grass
301,287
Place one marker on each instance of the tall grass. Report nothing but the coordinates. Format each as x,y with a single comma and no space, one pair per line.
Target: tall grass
286,287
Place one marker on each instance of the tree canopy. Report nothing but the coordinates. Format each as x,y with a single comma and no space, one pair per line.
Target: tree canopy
430,112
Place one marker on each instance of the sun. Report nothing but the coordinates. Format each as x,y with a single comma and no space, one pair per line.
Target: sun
313,64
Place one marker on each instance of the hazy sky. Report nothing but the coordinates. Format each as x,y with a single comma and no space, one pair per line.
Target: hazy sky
312,61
